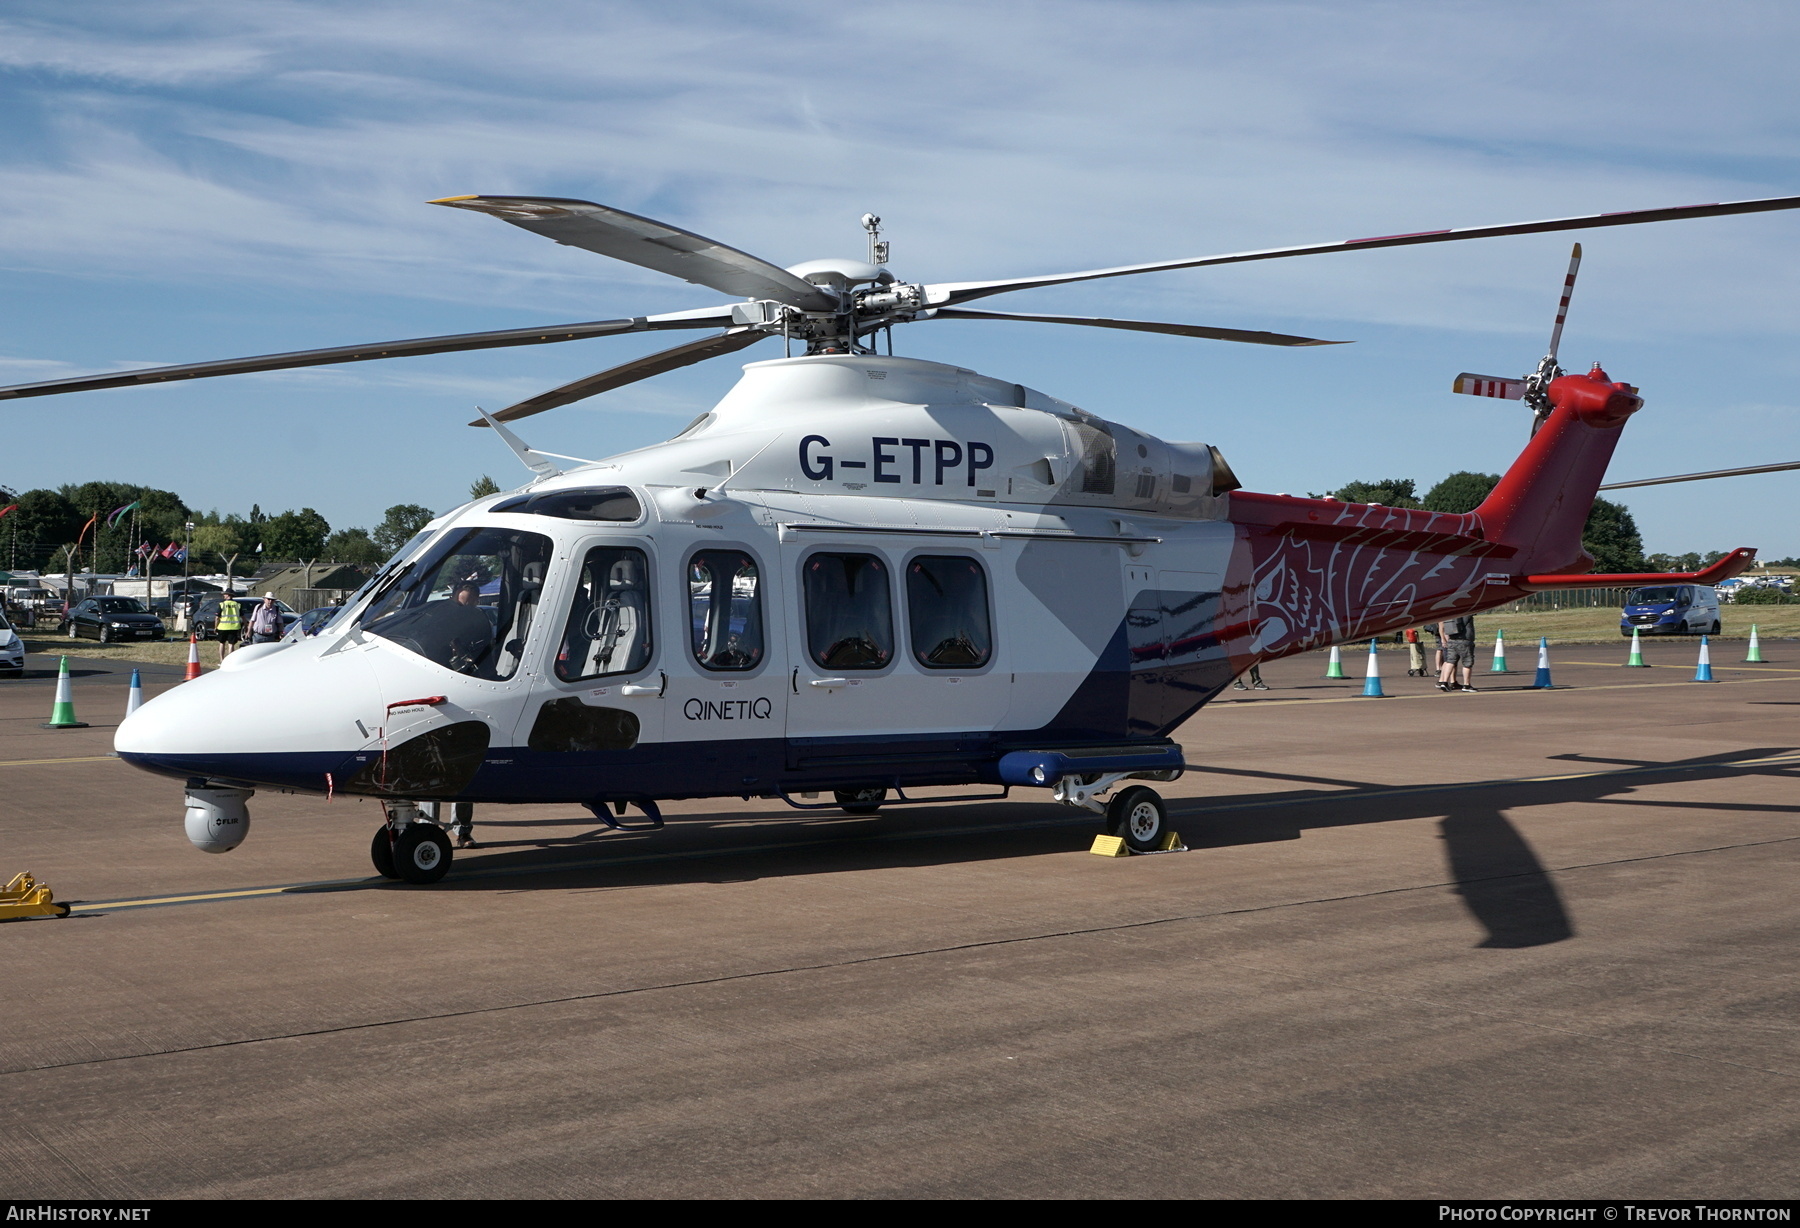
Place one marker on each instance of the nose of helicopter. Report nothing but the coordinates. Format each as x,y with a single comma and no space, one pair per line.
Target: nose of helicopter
286,718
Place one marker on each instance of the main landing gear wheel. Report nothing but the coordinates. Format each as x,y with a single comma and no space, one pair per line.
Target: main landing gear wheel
422,853
381,852
1137,814
860,801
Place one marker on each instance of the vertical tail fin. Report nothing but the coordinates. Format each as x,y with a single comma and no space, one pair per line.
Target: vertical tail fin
1542,503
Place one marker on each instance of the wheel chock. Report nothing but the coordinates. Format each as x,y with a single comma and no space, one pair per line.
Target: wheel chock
1115,846
26,897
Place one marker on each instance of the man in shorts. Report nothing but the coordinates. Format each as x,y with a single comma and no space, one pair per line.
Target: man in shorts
1457,639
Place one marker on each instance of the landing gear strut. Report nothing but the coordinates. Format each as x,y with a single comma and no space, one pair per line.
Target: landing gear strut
1136,815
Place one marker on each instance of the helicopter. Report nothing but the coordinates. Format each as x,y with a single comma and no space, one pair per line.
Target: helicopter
858,577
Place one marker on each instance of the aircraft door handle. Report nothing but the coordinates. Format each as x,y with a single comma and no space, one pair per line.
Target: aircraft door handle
828,683
639,689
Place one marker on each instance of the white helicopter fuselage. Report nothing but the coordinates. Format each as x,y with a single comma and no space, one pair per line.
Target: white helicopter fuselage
1053,527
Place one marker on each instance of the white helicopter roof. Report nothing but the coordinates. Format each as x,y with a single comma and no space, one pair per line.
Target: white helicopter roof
908,428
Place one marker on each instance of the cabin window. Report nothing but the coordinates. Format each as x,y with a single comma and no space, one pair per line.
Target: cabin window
467,603
849,614
609,623
605,503
725,609
947,606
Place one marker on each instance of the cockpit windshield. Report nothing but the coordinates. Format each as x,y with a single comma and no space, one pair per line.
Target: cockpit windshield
468,603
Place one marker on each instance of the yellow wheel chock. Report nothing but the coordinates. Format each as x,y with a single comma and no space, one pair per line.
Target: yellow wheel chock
26,897
1115,846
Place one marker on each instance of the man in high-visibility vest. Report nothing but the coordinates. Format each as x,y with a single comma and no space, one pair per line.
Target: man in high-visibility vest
230,628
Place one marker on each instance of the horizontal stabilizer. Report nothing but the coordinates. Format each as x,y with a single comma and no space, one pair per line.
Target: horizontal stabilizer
1490,386
1736,562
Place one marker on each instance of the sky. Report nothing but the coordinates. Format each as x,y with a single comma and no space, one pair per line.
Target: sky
198,179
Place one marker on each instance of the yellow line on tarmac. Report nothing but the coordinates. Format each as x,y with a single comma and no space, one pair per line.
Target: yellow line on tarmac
203,897
77,759
1771,669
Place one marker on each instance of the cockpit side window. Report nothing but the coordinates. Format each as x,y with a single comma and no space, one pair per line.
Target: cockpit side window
849,613
468,603
609,623
725,609
947,605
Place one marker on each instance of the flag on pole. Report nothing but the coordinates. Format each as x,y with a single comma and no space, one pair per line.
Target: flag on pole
117,512
168,551
9,507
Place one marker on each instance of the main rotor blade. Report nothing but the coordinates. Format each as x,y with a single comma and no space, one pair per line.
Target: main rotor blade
1140,326
651,244
630,373
1696,477
710,317
947,293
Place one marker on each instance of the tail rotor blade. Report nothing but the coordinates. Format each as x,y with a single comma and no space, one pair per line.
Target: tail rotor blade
1562,308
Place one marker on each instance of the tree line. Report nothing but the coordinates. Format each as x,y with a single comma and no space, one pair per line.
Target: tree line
108,522
1610,535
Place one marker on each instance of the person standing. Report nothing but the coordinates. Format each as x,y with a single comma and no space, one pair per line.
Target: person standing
1256,682
1457,643
265,621
1415,654
230,625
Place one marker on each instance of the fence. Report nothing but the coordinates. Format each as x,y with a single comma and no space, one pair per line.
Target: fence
305,599
1569,599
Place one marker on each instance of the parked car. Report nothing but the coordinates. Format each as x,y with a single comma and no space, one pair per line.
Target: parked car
1671,609
12,649
111,619
313,621
206,619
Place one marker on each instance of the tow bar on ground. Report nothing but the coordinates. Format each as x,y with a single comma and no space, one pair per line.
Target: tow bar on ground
26,897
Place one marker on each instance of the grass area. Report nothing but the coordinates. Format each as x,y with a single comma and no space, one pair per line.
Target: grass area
171,651
1601,626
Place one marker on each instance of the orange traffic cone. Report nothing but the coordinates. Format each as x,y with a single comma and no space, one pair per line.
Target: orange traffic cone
193,669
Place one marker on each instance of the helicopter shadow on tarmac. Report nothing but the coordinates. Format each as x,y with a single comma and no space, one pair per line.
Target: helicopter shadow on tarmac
1502,882
1491,865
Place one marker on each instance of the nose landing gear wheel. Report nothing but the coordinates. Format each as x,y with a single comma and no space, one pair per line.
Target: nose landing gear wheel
860,801
381,852
1137,815
422,853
